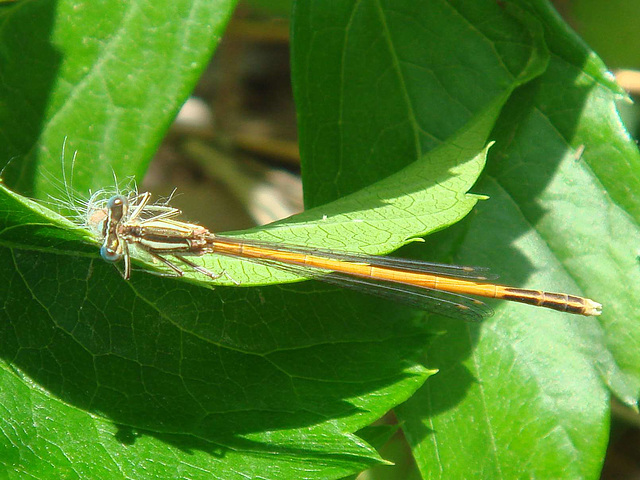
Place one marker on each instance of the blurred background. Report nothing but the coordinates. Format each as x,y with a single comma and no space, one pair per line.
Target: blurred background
232,152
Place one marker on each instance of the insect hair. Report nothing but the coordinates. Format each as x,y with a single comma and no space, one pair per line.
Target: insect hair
81,207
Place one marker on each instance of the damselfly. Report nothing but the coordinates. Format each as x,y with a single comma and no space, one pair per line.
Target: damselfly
123,222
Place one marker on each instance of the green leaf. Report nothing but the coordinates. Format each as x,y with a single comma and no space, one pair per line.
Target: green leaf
48,438
377,435
523,393
242,376
379,84
580,208
107,77
373,85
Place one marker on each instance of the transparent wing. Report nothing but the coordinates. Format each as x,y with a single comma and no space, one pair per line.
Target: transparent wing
456,271
452,305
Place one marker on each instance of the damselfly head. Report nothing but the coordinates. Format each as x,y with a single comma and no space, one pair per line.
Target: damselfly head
113,247
99,214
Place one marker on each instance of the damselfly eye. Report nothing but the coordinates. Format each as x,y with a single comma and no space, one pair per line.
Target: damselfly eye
110,255
117,206
117,201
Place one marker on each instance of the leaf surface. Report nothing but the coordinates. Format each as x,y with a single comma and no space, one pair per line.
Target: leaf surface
525,391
